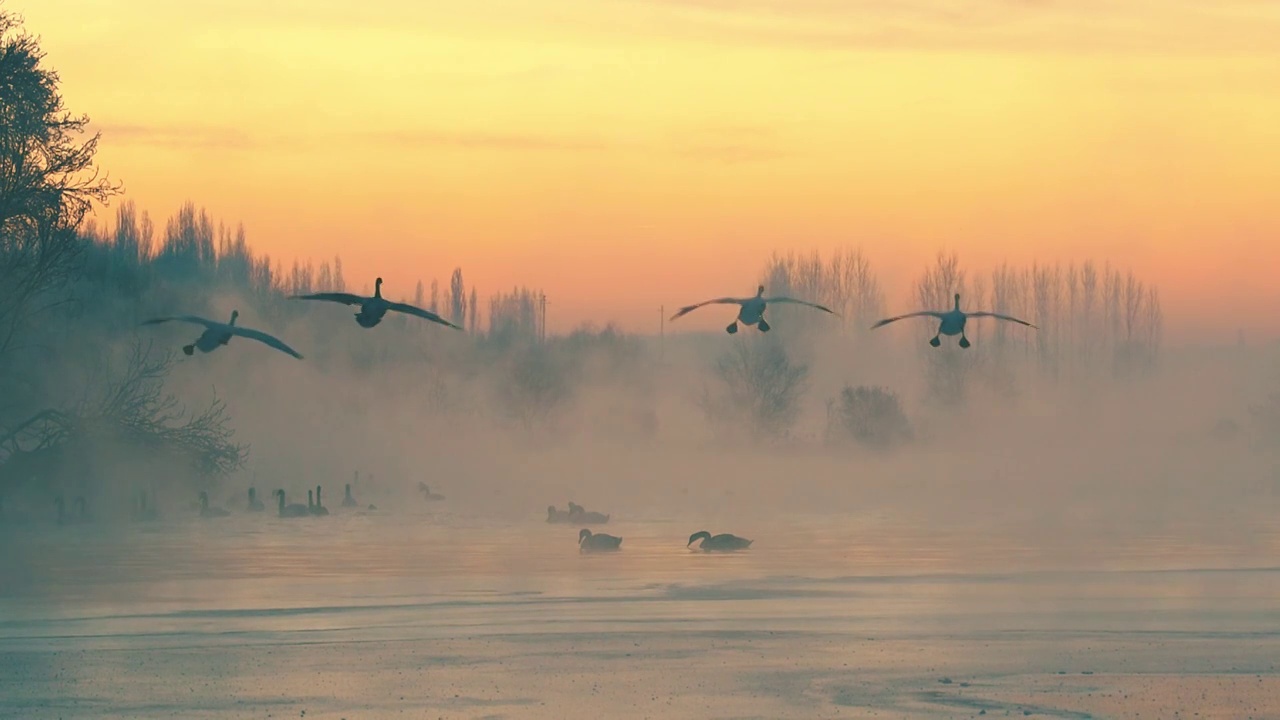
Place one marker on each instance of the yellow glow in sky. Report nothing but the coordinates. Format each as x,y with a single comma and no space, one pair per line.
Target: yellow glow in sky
625,154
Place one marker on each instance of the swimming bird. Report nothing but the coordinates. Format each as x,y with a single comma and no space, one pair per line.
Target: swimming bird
723,542
210,512
597,542
255,505
142,511
293,510
372,309
427,494
751,310
217,334
579,514
953,321
349,501
318,508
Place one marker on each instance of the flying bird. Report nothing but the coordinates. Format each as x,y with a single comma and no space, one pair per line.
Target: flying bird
372,309
952,322
217,334
750,310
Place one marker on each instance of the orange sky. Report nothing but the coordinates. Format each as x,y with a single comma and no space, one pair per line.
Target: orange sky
626,154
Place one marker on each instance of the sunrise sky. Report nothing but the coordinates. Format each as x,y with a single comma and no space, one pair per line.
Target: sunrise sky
627,154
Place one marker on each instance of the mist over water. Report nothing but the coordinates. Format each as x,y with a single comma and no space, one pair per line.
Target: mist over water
1070,553
1065,520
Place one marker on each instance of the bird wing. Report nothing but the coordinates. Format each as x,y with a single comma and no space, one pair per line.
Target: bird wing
263,338
718,301
799,302
1002,317
184,318
411,310
344,298
922,313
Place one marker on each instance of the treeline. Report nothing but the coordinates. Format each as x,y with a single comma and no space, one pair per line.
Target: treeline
194,251
1091,318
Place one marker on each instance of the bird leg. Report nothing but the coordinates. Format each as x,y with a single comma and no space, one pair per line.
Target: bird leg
733,327
189,349
762,326
964,341
935,341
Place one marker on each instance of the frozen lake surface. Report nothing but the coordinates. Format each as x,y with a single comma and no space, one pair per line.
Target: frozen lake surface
404,612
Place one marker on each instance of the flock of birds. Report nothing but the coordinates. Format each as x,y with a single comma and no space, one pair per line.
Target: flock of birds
373,309
576,514
144,508
602,542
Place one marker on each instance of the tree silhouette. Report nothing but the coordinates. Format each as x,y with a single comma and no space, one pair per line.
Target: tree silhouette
457,299
48,181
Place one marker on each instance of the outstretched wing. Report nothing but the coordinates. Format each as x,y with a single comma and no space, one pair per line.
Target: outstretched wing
183,318
411,310
794,301
344,298
922,313
718,301
263,338
1002,317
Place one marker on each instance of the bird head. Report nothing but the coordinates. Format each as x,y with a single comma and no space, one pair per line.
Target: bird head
234,314
695,536
377,287
583,534
760,291
957,301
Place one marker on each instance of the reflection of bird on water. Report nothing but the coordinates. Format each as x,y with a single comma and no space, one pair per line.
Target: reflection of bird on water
557,516
255,505
318,508
579,514
293,510
724,542
597,542
210,512
427,494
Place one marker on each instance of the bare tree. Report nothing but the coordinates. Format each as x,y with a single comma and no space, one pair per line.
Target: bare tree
759,383
870,416
131,411
536,385
419,294
457,299
474,321
48,181
513,317
844,282
435,296
339,282
947,368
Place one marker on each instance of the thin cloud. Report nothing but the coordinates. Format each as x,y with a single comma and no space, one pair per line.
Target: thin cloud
728,145
1231,27
470,140
177,136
